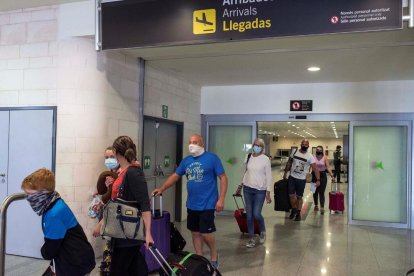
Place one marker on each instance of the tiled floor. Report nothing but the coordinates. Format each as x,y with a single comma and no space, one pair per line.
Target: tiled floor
318,245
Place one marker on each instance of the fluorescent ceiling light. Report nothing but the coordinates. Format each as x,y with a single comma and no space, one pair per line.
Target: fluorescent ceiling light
314,69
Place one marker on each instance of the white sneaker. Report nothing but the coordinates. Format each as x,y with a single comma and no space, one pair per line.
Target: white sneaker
251,243
262,237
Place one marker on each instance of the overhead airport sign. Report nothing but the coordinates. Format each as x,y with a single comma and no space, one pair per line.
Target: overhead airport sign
145,23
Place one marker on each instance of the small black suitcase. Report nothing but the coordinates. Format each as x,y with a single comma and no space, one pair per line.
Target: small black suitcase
282,202
177,242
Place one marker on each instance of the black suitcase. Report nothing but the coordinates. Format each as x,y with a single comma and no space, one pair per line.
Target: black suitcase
177,242
282,202
184,263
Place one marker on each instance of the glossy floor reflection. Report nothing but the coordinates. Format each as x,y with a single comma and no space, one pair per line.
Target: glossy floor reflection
318,245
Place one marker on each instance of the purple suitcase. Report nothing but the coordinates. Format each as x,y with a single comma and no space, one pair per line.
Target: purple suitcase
160,231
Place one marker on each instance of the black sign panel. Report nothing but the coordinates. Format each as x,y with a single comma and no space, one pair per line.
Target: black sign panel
301,105
142,23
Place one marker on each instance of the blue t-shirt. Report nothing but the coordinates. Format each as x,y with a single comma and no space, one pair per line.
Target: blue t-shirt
201,173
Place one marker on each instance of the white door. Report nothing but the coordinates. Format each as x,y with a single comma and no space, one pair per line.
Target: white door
379,173
231,142
4,152
30,147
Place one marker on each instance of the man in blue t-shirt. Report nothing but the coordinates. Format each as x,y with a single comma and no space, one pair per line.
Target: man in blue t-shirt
201,169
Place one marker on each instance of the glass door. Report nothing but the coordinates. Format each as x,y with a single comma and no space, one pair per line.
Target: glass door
379,185
231,142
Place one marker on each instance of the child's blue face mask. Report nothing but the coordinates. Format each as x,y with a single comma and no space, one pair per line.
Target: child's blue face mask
111,163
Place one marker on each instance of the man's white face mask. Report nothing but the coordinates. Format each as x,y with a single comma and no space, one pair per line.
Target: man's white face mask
195,150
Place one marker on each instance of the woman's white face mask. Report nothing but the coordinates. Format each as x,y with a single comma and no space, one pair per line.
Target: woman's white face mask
195,150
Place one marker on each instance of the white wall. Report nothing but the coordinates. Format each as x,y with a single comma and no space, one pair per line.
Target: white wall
77,19
359,97
96,94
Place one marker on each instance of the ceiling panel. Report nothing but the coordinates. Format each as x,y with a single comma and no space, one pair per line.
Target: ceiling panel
352,57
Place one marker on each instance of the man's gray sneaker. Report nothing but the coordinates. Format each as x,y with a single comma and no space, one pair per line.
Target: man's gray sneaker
216,263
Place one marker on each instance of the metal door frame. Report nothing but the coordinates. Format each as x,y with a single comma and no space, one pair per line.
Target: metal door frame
178,157
54,127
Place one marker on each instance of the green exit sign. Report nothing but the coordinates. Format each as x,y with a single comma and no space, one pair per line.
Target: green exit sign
165,111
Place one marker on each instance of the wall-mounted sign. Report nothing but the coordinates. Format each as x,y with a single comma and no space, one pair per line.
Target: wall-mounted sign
165,111
166,161
133,23
301,105
147,162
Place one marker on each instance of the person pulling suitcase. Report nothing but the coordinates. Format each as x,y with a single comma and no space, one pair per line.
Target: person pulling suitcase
257,183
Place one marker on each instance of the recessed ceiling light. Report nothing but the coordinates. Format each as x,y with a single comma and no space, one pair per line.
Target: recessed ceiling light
314,69
288,122
293,125
332,122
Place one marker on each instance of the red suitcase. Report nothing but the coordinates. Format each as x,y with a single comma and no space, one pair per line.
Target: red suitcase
241,218
336,200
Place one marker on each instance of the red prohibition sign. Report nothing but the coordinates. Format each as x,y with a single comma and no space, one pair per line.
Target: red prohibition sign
334,19
296,105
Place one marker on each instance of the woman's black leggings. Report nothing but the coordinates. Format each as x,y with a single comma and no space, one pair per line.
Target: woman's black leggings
321,191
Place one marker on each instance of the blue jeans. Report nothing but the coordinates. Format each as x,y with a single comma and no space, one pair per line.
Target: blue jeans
254,203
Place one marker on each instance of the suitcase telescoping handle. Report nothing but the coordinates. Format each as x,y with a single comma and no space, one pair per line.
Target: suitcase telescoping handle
235,200
336,187
153,204
161,260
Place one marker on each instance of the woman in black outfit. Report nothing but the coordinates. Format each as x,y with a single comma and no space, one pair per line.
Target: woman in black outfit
130,185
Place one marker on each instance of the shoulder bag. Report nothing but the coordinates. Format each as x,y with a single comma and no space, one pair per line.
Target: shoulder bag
240,186
122,219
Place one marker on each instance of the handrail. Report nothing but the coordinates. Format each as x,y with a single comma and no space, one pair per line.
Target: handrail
410,16
3,212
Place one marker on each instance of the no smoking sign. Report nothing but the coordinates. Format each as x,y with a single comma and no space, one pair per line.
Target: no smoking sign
301,105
